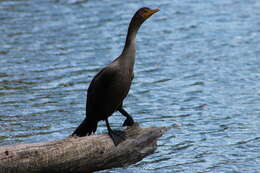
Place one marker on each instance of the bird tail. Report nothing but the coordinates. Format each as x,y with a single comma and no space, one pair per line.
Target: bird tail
87,127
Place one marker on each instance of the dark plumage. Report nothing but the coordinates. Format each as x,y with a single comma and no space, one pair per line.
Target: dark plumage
111,85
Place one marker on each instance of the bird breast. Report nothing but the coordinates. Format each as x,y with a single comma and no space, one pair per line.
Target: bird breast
123,82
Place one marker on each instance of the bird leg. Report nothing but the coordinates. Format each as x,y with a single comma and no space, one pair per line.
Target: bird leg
129,120
116,135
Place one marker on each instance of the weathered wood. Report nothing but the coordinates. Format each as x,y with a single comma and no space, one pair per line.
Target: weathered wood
85,154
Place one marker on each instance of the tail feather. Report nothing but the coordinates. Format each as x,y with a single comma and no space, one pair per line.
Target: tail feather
87,127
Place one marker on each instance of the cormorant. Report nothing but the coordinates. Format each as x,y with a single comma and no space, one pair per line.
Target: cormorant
111,85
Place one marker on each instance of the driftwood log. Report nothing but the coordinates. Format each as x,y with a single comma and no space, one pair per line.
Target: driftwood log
80,154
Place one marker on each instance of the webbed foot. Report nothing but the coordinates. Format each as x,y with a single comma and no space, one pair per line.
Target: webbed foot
117,136
128,122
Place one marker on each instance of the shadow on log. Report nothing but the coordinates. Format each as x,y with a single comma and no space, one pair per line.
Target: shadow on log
85,154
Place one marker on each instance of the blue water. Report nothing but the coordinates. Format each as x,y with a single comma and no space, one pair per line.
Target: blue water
197,72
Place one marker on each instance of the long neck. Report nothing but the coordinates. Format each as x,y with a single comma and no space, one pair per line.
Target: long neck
129,48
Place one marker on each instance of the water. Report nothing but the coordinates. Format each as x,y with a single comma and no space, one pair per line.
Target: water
197,72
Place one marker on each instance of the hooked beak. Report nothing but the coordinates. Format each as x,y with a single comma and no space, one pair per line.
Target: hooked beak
155,11
151,12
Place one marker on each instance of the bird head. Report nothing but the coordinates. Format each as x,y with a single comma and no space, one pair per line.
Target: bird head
145,12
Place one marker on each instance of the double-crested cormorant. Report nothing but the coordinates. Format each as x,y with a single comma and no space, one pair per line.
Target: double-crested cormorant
110,86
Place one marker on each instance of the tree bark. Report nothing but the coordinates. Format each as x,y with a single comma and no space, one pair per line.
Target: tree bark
80,154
